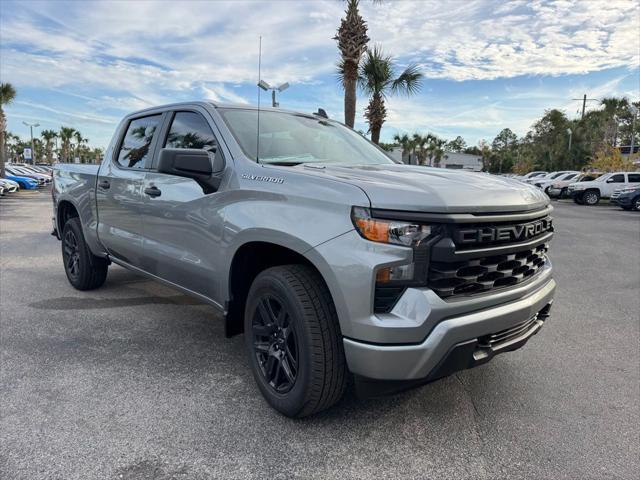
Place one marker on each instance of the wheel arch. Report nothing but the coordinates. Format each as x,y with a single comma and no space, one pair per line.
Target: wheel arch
248,261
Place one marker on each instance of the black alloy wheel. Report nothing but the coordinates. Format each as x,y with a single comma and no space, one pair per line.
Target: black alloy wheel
293,341
71,254
85,271
275,344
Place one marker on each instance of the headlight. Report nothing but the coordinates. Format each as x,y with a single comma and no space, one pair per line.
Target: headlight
388,231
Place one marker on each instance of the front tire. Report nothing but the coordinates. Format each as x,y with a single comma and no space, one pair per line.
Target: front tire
591,197
84,270
293,341
578,198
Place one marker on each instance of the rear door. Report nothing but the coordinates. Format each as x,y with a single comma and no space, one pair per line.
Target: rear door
182,224
633,179
119,188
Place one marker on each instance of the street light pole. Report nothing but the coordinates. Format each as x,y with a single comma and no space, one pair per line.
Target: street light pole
265,86
634,112
33,150
569,149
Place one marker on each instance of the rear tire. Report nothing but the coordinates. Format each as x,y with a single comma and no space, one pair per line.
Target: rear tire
591,197
84,270
293,341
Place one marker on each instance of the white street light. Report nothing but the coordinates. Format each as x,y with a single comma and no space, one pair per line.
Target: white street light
265,86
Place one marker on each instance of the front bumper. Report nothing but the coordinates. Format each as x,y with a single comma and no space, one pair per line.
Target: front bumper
453,344
554,192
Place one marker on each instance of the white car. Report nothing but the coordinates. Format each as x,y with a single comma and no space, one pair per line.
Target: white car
9,185
546,181
559,188
531,175
590,193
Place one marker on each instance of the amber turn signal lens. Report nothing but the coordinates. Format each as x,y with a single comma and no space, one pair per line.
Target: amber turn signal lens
374,230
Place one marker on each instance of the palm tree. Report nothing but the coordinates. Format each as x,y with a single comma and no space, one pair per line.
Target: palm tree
613,107
352,42
66,134
7,95
436,150
48,136
407,145
79,141
377,79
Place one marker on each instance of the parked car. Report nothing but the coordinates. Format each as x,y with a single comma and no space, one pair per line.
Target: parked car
25,172
542,178
627,198
34,169
1,191
27,183
560,188
545,183
590,193
394,285
37,168
9,185
530,175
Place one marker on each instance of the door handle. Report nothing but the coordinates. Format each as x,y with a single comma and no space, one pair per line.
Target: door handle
153,191
104,184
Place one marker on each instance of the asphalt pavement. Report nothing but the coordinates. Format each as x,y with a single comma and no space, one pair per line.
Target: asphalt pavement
137,381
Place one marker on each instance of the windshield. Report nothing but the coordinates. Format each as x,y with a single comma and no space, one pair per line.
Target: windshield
288,138
602,178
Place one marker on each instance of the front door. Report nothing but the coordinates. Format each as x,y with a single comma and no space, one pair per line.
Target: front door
119,189
182,225
613,183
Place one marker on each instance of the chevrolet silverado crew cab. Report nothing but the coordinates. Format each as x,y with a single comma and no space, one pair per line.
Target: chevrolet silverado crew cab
333,260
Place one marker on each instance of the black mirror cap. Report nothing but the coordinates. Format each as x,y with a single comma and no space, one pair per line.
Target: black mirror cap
193,163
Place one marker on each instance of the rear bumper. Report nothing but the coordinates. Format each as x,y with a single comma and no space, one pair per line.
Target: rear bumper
455,343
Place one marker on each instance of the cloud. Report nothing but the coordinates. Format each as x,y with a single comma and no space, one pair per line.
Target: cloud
115,57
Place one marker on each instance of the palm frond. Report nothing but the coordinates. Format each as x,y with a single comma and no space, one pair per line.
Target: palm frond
408,82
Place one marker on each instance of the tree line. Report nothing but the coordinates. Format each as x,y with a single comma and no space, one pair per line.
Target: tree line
64,145
554,142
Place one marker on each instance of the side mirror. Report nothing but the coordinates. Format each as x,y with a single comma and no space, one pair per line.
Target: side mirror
609,180
195,164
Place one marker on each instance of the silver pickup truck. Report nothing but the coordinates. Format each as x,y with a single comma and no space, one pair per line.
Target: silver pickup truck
333,260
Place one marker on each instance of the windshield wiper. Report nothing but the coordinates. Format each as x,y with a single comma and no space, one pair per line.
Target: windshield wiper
285,163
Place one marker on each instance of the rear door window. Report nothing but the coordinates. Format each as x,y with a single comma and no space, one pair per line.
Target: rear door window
618,178
634,178
191,130
136,145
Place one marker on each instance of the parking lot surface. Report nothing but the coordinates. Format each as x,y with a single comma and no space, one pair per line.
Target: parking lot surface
137,381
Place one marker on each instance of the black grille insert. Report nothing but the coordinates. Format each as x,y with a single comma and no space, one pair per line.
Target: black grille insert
485,273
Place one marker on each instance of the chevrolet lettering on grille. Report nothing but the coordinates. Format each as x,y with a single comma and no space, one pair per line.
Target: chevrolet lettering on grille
503,233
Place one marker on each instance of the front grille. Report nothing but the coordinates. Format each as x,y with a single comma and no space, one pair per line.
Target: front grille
485,273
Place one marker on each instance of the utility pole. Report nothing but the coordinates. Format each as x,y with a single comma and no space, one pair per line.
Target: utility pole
33,150
634,112
584,103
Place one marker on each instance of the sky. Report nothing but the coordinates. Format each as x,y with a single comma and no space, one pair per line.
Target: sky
487,64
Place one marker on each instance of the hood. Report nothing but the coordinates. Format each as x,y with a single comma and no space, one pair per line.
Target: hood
427,189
